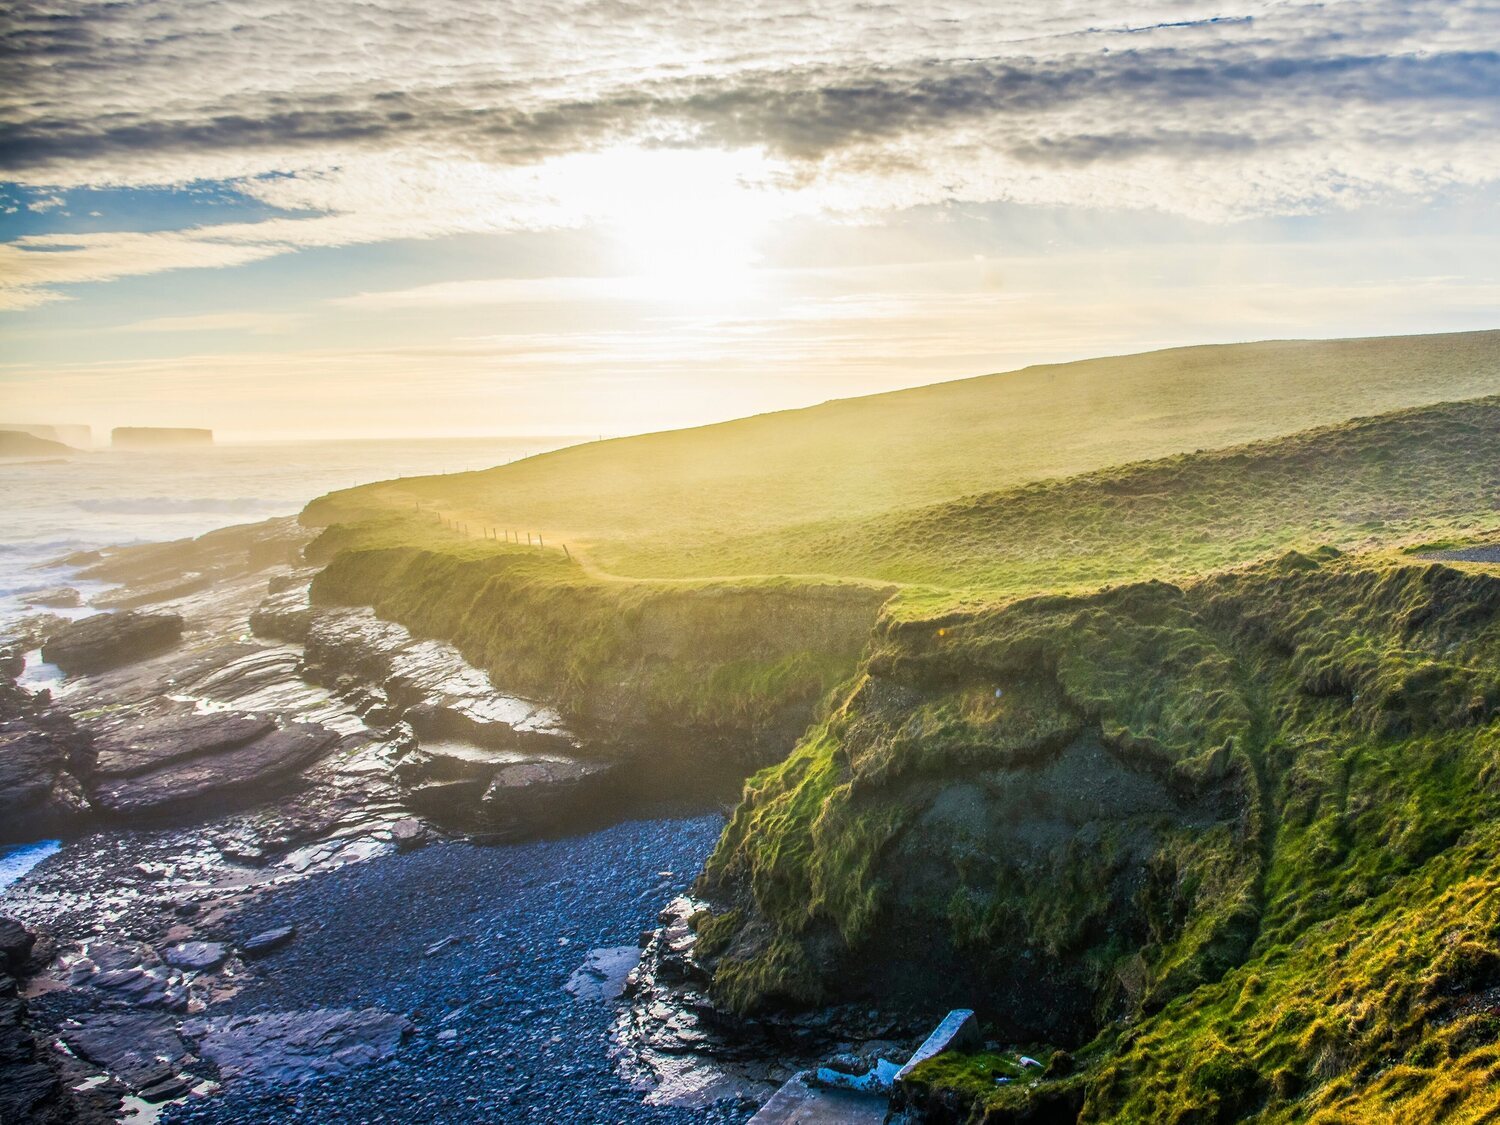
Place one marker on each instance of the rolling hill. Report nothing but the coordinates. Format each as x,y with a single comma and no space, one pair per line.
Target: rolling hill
692,503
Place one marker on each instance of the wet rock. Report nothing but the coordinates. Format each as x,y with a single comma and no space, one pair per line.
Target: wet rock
280,583
26,1085
603,973
296,1047
38,791
31,766
409,834
129,745
400,738
16,942
236,772
268,941
283,615
169,1086
227,553
57,597
140,594
125,971
195,955
108,640
30,1088
31,631
261,680
538,795
142,1048
435,688
675,950
448,800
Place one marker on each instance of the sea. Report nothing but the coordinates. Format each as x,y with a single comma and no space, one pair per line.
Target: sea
50,508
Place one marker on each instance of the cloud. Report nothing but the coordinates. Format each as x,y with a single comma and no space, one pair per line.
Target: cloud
256,323
492,291
30,266
405,120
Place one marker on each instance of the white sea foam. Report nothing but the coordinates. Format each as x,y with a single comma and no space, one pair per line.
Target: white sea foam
16,860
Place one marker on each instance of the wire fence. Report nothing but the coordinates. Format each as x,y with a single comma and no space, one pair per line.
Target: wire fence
495,534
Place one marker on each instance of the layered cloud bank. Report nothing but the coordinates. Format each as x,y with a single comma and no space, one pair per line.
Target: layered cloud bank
365,122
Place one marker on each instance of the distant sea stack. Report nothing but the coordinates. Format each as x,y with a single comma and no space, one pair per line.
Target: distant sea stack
158,437
79,437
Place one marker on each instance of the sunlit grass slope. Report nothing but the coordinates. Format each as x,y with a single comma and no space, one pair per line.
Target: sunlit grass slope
1312,934
711,501
1422,472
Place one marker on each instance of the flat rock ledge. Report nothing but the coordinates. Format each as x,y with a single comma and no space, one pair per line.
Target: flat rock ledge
295,1047
518,798
110,640
167,761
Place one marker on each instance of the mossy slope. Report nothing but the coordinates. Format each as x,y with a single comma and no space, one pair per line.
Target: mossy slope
1308,931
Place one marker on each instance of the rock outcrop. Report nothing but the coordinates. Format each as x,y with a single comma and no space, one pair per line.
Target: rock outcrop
14,444
109,640
79,437
40,752
31,1087
55,597
155,572
294,1047
166,759
159,437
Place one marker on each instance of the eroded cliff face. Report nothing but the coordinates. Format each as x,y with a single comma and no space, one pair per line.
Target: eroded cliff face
1051,811
1069,812
1231,842
727,674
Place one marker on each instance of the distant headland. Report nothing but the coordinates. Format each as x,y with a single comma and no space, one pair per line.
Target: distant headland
158,437
18,443
79,437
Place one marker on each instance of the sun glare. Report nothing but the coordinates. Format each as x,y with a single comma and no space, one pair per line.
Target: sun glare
688,223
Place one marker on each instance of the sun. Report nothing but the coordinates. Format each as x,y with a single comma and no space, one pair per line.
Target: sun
687,224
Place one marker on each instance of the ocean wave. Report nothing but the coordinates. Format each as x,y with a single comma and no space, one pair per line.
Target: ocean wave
173,506
46,548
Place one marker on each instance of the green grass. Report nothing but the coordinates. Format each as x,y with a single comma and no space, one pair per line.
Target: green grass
1415,474
718,500
1328,949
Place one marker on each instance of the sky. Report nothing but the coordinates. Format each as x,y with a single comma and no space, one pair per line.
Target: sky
284,219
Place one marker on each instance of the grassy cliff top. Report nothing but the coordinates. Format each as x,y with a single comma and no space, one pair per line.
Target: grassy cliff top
1422,475
637,506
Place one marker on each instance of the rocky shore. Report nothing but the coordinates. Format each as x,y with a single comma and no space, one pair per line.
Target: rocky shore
278,866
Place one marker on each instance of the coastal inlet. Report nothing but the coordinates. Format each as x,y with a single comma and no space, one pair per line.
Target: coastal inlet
299,874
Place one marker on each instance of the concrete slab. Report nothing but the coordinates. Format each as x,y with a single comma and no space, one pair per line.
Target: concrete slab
797,1103
958,1030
